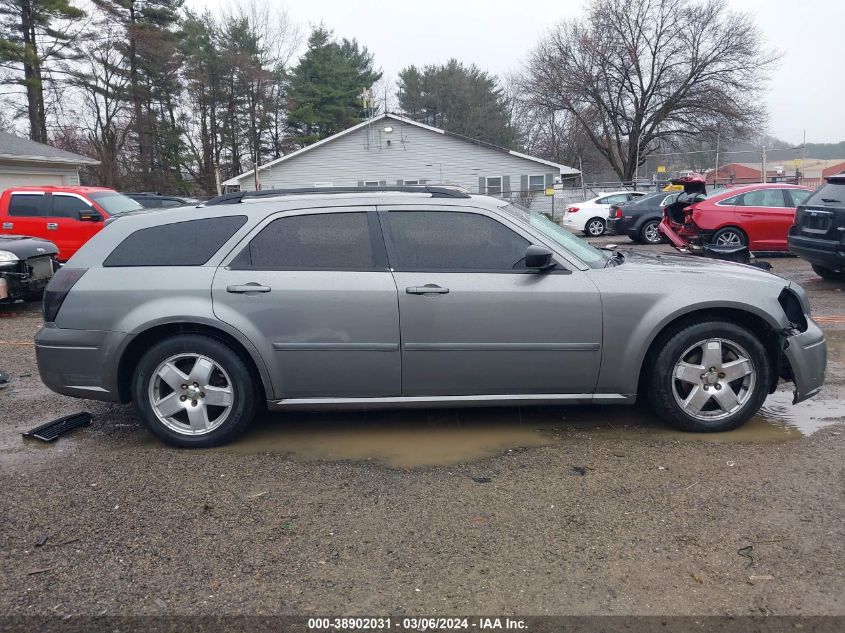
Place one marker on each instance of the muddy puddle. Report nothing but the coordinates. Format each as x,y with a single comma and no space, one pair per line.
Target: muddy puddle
410,439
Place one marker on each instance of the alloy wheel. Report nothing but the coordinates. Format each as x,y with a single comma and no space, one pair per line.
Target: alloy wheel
651,234
729,238
191,394
713,379
595,227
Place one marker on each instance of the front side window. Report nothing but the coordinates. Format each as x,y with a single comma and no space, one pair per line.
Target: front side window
494,186
536,183
69,206
453,241
28,204
584,251
326,241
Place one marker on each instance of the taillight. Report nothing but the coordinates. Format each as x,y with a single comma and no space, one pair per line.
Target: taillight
57,289
618,213
572,209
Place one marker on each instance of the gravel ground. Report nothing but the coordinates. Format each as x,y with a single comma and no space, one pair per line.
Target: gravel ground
527,511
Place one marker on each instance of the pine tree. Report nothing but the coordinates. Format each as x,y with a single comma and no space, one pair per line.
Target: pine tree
326,86
33,33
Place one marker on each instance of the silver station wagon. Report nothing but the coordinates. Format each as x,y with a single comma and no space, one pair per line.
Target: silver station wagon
407,296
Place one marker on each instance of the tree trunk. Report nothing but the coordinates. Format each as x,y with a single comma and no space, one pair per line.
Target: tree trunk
32,77
144,152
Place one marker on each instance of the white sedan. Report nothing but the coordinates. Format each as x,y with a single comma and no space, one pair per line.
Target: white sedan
590,216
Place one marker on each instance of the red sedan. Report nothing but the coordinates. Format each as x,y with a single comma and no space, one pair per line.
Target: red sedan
757,216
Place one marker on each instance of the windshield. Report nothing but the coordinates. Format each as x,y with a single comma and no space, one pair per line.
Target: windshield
114,203
587,253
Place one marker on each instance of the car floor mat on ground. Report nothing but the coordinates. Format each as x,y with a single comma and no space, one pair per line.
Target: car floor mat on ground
52,430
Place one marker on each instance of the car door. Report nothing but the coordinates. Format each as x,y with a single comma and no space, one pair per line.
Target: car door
71,221
765,215
313,292
26,214
474,321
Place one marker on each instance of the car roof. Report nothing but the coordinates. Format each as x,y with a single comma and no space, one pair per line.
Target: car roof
70,189
734,191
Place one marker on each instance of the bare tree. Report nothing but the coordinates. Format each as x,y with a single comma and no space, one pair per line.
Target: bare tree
636,75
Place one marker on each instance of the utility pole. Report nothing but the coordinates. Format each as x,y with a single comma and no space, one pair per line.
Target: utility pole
764,163
716,174
581,169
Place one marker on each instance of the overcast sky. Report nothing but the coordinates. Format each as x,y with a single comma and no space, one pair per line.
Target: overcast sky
806,92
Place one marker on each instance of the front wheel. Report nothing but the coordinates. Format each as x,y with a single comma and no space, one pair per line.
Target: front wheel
595,227
829,274
194,391
710,377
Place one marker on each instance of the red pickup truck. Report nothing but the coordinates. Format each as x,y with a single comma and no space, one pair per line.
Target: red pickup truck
67,216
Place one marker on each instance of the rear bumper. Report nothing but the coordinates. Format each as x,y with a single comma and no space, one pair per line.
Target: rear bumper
807,356
666,230
80,363
822,253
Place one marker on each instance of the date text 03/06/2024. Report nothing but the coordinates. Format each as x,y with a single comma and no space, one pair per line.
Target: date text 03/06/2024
415,624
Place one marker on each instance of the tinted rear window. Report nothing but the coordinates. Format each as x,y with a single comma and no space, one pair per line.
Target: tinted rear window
27,204
190,243
830,194
326,241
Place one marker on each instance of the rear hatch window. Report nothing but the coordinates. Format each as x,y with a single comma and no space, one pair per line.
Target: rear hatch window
823,214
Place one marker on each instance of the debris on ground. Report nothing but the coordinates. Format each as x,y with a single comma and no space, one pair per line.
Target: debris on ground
578,470
161,604
746,552
752,578
482,480
51,431
4,380
39,542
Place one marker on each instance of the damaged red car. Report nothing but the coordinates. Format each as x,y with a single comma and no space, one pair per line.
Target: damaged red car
756,216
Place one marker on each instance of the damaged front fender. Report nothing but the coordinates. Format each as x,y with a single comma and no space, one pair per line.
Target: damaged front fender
806,353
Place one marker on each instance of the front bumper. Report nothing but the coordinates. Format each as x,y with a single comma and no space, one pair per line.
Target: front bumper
17,283
807,356
80,363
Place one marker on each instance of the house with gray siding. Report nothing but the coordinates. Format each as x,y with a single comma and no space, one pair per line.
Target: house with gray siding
391,149
24,162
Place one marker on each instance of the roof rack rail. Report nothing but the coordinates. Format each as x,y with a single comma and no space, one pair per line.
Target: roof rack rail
239,196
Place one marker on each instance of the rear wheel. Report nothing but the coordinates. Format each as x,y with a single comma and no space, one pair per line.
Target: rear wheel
649,233
710,377
829,274
595,227
194,391
729,236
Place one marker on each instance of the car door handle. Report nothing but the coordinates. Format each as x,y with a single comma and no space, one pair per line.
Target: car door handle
8,225
52,226
428,289
247,288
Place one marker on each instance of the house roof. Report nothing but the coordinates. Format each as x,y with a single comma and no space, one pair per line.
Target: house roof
22,149
398,117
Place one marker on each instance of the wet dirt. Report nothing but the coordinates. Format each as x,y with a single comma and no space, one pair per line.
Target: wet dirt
416,439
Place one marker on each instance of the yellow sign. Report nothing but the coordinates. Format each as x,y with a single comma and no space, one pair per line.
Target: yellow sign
550,191
673,188
797,163
661,169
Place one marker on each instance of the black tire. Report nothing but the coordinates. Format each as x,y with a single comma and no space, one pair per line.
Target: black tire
645,232
829,274
599,227
727,232
231,368
664,390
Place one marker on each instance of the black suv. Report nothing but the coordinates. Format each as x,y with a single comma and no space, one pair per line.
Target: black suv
152,200
818,234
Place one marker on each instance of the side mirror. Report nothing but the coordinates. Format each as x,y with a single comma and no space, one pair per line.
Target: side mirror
90,216
539,258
